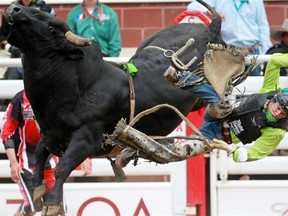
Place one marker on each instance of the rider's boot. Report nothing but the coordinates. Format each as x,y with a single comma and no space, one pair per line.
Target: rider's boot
171,74
220,110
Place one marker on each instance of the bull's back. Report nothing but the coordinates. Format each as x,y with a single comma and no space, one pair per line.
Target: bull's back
155,52
177,35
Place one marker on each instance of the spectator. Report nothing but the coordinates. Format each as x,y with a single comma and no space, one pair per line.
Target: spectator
97,21
244,25
280,34
19,118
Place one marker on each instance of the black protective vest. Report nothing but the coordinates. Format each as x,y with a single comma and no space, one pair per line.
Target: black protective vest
248,117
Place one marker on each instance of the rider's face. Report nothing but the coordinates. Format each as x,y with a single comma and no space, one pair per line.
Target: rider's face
276,110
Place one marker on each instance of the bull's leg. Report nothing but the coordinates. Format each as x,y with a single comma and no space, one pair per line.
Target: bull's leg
41,155
83,144
176,151
191,148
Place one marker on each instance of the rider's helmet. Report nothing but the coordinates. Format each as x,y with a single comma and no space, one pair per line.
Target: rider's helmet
282,98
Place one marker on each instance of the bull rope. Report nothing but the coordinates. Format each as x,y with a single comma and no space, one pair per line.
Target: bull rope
132,93
118,172
160,106
133,120
139,144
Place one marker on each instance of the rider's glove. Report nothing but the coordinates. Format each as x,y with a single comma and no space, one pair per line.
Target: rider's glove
240,155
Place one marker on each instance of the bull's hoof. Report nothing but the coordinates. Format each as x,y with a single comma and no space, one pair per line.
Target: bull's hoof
39,192
50,210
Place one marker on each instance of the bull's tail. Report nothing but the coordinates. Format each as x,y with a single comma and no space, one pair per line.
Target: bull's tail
215,26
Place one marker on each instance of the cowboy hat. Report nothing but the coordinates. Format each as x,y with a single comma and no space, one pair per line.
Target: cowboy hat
277,32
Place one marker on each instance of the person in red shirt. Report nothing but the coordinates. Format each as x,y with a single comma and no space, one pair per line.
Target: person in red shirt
20,136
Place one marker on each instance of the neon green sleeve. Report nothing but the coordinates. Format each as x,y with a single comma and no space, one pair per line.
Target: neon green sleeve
272,73
263,146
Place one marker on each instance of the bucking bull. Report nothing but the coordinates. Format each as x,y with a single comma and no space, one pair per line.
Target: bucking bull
82,102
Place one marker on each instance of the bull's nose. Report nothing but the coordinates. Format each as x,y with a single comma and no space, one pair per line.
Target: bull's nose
13,8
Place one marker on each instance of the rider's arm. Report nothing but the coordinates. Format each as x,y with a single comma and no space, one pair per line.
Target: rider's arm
272,73
263,146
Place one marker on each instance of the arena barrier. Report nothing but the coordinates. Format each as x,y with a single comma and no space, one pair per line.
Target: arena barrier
164,197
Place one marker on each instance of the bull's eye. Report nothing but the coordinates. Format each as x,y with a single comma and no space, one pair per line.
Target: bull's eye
51,28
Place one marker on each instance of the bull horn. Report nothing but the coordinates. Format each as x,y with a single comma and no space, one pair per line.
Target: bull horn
77,40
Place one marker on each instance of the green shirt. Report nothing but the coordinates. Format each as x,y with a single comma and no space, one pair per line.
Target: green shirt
270,137
103,27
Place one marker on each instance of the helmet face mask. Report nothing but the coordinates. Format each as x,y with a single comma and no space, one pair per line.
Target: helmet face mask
282,98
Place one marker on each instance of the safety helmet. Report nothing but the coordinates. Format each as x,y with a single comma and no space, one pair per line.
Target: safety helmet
282,98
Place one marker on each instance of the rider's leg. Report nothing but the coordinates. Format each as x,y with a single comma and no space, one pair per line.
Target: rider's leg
217,108
199,87
211,128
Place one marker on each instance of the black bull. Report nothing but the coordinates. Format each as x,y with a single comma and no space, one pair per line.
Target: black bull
77,96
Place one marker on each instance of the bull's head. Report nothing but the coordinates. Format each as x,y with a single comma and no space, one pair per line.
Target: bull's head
30,29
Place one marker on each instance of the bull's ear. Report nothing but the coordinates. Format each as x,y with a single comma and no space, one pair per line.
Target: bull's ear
71,51
76,54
